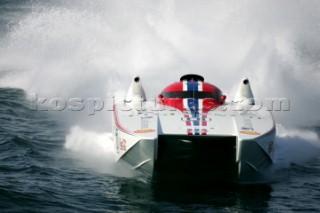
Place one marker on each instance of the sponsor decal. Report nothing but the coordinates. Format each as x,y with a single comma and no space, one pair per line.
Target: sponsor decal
247,132
144,131
123,145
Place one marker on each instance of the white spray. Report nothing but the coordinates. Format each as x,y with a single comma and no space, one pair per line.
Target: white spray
93,49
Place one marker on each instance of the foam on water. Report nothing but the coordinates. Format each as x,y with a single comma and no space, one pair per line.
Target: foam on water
95,151
91,49
295,146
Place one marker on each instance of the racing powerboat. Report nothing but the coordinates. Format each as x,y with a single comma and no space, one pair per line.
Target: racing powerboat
191,130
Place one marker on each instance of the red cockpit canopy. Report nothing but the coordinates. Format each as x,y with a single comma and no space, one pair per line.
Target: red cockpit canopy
192,88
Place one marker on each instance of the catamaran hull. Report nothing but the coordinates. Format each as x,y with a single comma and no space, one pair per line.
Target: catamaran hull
205,158
192,132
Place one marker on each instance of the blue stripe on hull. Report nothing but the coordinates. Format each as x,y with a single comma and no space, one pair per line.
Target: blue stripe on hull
193,103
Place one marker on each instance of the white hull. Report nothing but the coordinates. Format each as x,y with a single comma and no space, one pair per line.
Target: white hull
236,142
191,131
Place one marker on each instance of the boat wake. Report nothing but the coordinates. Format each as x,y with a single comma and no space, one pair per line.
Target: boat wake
95,151
296,146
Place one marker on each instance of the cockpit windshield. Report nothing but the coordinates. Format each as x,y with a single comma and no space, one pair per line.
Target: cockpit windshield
192,94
